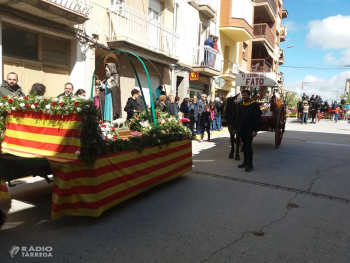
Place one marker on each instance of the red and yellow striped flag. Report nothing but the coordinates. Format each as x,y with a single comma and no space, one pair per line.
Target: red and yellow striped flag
88,191
35,134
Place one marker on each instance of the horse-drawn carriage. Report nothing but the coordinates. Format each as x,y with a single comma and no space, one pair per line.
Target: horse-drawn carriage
274,122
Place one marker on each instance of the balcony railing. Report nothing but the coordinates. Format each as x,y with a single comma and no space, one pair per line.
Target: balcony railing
272,4
77,6
260,65
206,57
229,68
263,30
128,24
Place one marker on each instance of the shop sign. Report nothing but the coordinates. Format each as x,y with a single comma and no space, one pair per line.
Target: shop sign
204,80
256,79
194,76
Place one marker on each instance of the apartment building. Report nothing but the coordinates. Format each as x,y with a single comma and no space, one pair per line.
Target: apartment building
198,65
38,41
251,34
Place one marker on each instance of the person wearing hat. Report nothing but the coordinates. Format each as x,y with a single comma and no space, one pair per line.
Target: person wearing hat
305,112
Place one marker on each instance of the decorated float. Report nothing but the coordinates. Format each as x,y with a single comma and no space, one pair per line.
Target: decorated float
94,164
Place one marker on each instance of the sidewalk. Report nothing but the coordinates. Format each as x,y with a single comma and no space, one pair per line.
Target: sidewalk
198,136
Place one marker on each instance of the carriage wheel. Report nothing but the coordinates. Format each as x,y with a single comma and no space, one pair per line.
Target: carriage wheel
280,126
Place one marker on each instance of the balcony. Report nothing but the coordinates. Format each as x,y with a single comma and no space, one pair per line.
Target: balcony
283,34
207,7
229,70
260,65
284,13
281,57
133,31
263,31
207,60
268,7
67,12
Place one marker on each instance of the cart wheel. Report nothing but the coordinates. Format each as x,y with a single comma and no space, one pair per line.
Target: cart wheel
280,126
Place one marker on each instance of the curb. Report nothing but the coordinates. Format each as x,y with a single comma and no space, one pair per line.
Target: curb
214,133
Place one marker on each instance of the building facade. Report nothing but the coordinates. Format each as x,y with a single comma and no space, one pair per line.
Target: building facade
38,41
251,34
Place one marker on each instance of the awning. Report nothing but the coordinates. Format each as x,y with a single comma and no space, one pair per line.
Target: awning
271,54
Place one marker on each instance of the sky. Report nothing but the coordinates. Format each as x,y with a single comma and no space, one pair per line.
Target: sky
320,33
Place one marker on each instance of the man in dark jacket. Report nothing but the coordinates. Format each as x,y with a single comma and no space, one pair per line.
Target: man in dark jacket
170,106
131,105
140,104
10,86
249,121
201,103
208,53
68,90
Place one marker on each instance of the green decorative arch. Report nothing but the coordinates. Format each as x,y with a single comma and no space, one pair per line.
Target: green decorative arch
127,53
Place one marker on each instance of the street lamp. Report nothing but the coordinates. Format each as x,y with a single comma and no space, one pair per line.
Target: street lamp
288,47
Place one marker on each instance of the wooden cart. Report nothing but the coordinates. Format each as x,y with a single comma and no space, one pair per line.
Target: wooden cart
275,123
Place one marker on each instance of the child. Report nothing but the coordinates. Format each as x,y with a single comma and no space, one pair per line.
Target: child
205,123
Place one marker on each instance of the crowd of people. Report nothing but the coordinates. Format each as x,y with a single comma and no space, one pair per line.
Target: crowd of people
310,106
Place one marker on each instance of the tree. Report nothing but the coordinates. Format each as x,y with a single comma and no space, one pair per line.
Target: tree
290,99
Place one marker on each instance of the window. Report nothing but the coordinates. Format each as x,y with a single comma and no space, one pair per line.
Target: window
243,9
19,43
244,55
55,50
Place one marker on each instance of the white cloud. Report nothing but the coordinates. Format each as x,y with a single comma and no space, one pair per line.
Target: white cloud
320,86
291,26
330,33
329,59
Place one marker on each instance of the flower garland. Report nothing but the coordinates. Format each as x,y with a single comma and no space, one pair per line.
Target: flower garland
98,138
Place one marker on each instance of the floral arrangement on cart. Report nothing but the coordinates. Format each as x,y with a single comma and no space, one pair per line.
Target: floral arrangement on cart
98,138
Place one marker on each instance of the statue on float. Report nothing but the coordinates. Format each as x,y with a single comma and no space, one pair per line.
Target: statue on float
110,94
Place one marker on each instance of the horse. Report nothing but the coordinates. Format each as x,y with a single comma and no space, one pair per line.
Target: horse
314,107
229,119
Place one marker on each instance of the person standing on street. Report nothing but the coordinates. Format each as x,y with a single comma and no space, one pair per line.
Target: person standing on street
336,113
218,107
248,126
201,103
140,104
205,123
305,113
10,86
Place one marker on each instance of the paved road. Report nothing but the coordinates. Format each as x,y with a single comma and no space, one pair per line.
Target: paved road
295,207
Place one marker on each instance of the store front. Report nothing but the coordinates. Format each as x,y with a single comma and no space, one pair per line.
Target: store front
202,85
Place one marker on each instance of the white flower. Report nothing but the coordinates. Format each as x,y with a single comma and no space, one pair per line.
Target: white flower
21,98
73,99
144,124
163,121
103,129
13,108
104,134
77,153
87,106
48,106
55,99
32,106
39,98
78,109
109,136
1,104
107,124
107,129
6,103
22,105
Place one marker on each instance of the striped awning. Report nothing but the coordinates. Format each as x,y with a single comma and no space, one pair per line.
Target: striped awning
271,54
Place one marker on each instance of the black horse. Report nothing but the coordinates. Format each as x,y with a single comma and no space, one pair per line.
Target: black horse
229,119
